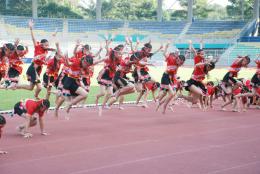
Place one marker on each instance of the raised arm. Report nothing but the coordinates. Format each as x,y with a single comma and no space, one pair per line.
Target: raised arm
31,30
165,50
99,51
159,49
192,48
76,47
16,42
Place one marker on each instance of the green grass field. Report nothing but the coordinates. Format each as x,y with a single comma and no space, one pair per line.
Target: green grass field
10,97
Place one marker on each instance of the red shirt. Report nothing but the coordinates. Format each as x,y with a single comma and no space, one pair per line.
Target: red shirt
172,66
38,50
3,65
237,91
51,70
198,59
111,65
79,54
74,70
143,67
199,73
32,107
235,67
125,66
15,61
211,90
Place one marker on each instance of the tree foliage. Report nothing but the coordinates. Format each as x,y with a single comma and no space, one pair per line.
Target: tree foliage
126,9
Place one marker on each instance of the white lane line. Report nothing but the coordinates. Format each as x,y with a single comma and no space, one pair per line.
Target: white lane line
162,156
80,152
234,167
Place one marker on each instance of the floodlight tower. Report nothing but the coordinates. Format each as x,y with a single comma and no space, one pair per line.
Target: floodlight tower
34,8
98,9
159,10
256,9
190,11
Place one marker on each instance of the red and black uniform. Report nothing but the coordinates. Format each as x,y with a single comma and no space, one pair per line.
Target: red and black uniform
15,65
110,70
52,71
3,64
229,78
170,74
197,77
71,82
30,107
136,57
36,66
256,78
120,79
198,59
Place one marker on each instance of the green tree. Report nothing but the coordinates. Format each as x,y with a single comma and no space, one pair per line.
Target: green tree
201,10
234,9
53,10
16,8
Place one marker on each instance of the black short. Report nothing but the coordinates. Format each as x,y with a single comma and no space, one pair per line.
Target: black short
31,73
13,73
105,78
47,80
165,80
19,110
255,80
70,84
135,76
119,81
197,84
57,81
229,78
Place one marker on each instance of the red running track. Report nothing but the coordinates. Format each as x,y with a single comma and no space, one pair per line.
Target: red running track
137,141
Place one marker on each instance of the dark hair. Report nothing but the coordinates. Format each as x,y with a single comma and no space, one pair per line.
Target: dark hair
211,65
55,61
148,45
2,120
200,50
46,103
210,83
88,59
44,41
20,47
182,57
112,54
248,59
120,46
9,46
87,47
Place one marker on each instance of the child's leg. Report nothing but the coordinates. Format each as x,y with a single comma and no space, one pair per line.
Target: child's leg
102,92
